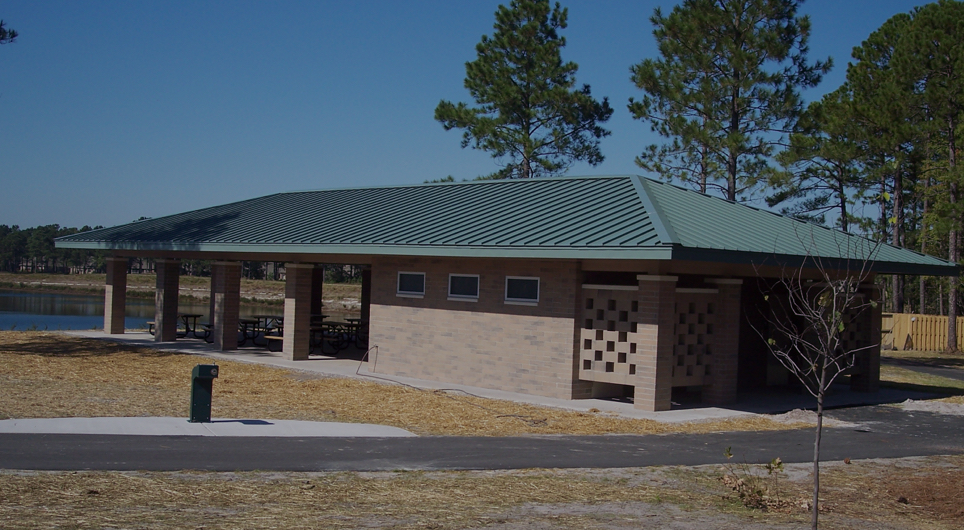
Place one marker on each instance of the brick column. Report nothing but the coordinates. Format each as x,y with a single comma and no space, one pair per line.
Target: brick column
726,344
165,299
115,295
866,377
214,279
654,369
226,296
297,310
366,295
317,288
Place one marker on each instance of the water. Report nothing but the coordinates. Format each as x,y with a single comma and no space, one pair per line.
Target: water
54,311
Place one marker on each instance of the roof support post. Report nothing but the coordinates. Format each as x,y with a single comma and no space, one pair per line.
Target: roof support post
725,357
654,370
165,299
366,295
115,295
225,303
298,289
866,376
317,288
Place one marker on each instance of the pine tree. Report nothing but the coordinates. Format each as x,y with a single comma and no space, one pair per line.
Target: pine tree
529,115
822,168
7,35
725,89
931,53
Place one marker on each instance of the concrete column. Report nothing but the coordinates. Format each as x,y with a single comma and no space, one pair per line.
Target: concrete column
726,343
317,288
866,377
654,369
226,295
297,310
165,299
214,272
115,295
366,295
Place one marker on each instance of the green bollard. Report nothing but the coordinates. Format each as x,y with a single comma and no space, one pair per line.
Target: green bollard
202,387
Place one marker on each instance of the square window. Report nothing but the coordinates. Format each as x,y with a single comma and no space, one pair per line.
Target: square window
411,284
464,286
522,290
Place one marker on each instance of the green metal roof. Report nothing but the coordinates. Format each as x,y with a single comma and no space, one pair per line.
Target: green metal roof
623,217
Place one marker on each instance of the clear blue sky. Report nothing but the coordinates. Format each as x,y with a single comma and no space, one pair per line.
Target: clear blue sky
112,110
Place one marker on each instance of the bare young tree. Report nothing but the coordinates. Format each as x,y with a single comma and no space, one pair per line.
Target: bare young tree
811,310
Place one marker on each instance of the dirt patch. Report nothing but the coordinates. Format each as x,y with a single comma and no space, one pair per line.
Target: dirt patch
49,375
922,492
940,407
808,417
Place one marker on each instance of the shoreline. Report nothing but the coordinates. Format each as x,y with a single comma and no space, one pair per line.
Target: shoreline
193,289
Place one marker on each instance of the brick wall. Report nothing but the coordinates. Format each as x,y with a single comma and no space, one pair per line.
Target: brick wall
487,343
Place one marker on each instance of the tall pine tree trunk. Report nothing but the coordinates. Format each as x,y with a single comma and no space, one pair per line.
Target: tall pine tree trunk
923,245
953,252
897,280
731,166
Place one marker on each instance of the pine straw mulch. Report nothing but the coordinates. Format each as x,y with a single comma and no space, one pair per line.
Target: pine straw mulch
51,375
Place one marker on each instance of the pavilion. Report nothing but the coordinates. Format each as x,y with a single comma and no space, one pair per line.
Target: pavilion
562,287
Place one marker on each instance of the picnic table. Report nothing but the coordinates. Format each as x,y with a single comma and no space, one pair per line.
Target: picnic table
248,327
336,334
190,323
271,324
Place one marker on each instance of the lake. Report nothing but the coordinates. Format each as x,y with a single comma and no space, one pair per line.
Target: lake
20,310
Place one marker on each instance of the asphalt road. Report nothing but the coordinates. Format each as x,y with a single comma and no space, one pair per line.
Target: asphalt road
884,432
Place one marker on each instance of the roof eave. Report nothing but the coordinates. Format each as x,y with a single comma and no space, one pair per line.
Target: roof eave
630,253
762,259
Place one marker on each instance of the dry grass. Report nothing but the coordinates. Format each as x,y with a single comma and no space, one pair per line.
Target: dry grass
905,379
47,375
920,493
297,500
935,358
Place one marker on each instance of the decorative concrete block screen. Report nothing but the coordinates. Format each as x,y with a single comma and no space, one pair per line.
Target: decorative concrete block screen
615,331
696,312
609,337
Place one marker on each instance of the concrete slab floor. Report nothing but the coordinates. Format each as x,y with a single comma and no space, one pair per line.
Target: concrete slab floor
771,402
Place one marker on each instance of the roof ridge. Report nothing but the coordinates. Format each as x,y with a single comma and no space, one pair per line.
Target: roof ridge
465,183
646,181
660,222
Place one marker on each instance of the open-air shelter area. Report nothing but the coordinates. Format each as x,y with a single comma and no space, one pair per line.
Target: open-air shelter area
567,288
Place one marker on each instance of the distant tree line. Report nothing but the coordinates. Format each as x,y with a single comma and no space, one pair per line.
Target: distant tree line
32,250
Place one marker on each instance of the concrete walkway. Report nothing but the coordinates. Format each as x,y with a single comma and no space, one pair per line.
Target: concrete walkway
181,427
324,366
877,432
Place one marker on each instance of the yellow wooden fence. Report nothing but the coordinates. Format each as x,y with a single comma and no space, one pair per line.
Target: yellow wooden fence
907,331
